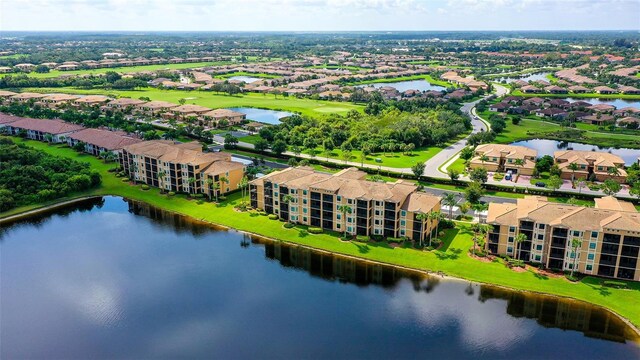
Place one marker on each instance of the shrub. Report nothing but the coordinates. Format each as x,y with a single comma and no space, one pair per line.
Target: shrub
171,193
273,217
362,238
198,196
289,225
395,240
222,198
144,187
112,170
262,213
615,284
125,179
498,176
315,230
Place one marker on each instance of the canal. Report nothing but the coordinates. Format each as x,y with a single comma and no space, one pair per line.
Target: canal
111,278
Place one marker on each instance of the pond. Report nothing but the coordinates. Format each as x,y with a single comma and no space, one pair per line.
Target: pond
402,86
526,77
618,103
111,278
246,79
547,147
261,115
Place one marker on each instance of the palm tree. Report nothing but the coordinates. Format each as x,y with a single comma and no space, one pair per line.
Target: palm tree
421,217
287,199
475,227
161,175
215,187
224,180
450,200
243,185
613,171
575,244
103,155
573,167
344,209
519,163
434,215
581,184
191,182
209,181
132,170
484,158
519,239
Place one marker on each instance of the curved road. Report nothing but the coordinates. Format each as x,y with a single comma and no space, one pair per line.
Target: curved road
433,164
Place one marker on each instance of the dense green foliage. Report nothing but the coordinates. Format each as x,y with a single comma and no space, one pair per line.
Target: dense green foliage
28,176
392,130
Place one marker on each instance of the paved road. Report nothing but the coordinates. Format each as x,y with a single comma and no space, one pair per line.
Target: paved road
447,153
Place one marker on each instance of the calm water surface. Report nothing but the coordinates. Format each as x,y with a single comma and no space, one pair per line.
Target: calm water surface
529,77
261,115
547,147
113,279
421,85
246,79
618,103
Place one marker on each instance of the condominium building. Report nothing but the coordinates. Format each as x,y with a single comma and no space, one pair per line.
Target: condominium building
609,235
602,165
345,201
181,167
502,158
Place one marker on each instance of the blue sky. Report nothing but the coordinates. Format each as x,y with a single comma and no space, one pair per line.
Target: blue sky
319,15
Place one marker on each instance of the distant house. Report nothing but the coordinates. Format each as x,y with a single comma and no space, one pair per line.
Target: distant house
554,89
551,113
599,119
501,158
122,104
577,89
217,115
604,90
602,108
590,162
91,100
629,90
529,89
499,107
25,97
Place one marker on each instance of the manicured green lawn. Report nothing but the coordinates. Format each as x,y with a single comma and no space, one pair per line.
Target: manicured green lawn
126,69
458,165
213,100
452,260
390,159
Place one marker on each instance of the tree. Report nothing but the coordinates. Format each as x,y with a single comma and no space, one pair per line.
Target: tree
79,146
346,155
464,208
344,209
544,163
474,192
554,183
479,175
112,76
278,147
575,244
573,167
454,174
581,183
192,182
434,216
418,169
287,199
243,185
519,163
611,187
41,69
483,159
161,175
635,190
450,200
613,171
479,230
261,145
215,187
421,217
230,141
519,239
467,153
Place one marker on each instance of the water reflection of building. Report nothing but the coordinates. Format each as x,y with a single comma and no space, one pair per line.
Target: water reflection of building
168,219
560,313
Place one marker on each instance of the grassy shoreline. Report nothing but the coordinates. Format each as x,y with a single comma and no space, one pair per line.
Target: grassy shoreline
452,261
579,96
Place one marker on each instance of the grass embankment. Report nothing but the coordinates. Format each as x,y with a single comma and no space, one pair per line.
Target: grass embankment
126,69
213,100
452,259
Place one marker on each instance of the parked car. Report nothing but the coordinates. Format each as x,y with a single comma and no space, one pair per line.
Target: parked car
509,176
540,184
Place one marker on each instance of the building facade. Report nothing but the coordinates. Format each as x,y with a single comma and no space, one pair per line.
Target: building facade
181,167
345,201
502,158
609,235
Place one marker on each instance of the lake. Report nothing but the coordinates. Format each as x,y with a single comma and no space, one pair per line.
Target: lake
246,79
618,103
111,278
421,85
547,147
261,115
527,77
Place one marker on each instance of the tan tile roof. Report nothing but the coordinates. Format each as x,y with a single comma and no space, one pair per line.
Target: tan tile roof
190,108
180,153
156,104
92,99
6,119
27,96
126,102
509,151
595,157
222,113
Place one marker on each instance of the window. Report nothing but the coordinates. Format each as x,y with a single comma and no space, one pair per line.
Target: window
377,203
402,222
275,186
293,208
304,210
402,232
304,201
591,256
350,219
275,193
338,198
509,249
576,233
338,216
304,192
594,234
540,236
349,229
592,245
512,229
510,239
338,226
349,201
377,212
304,218
540,226
403,213
538,257
276,202
377,222
589,267
539,247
